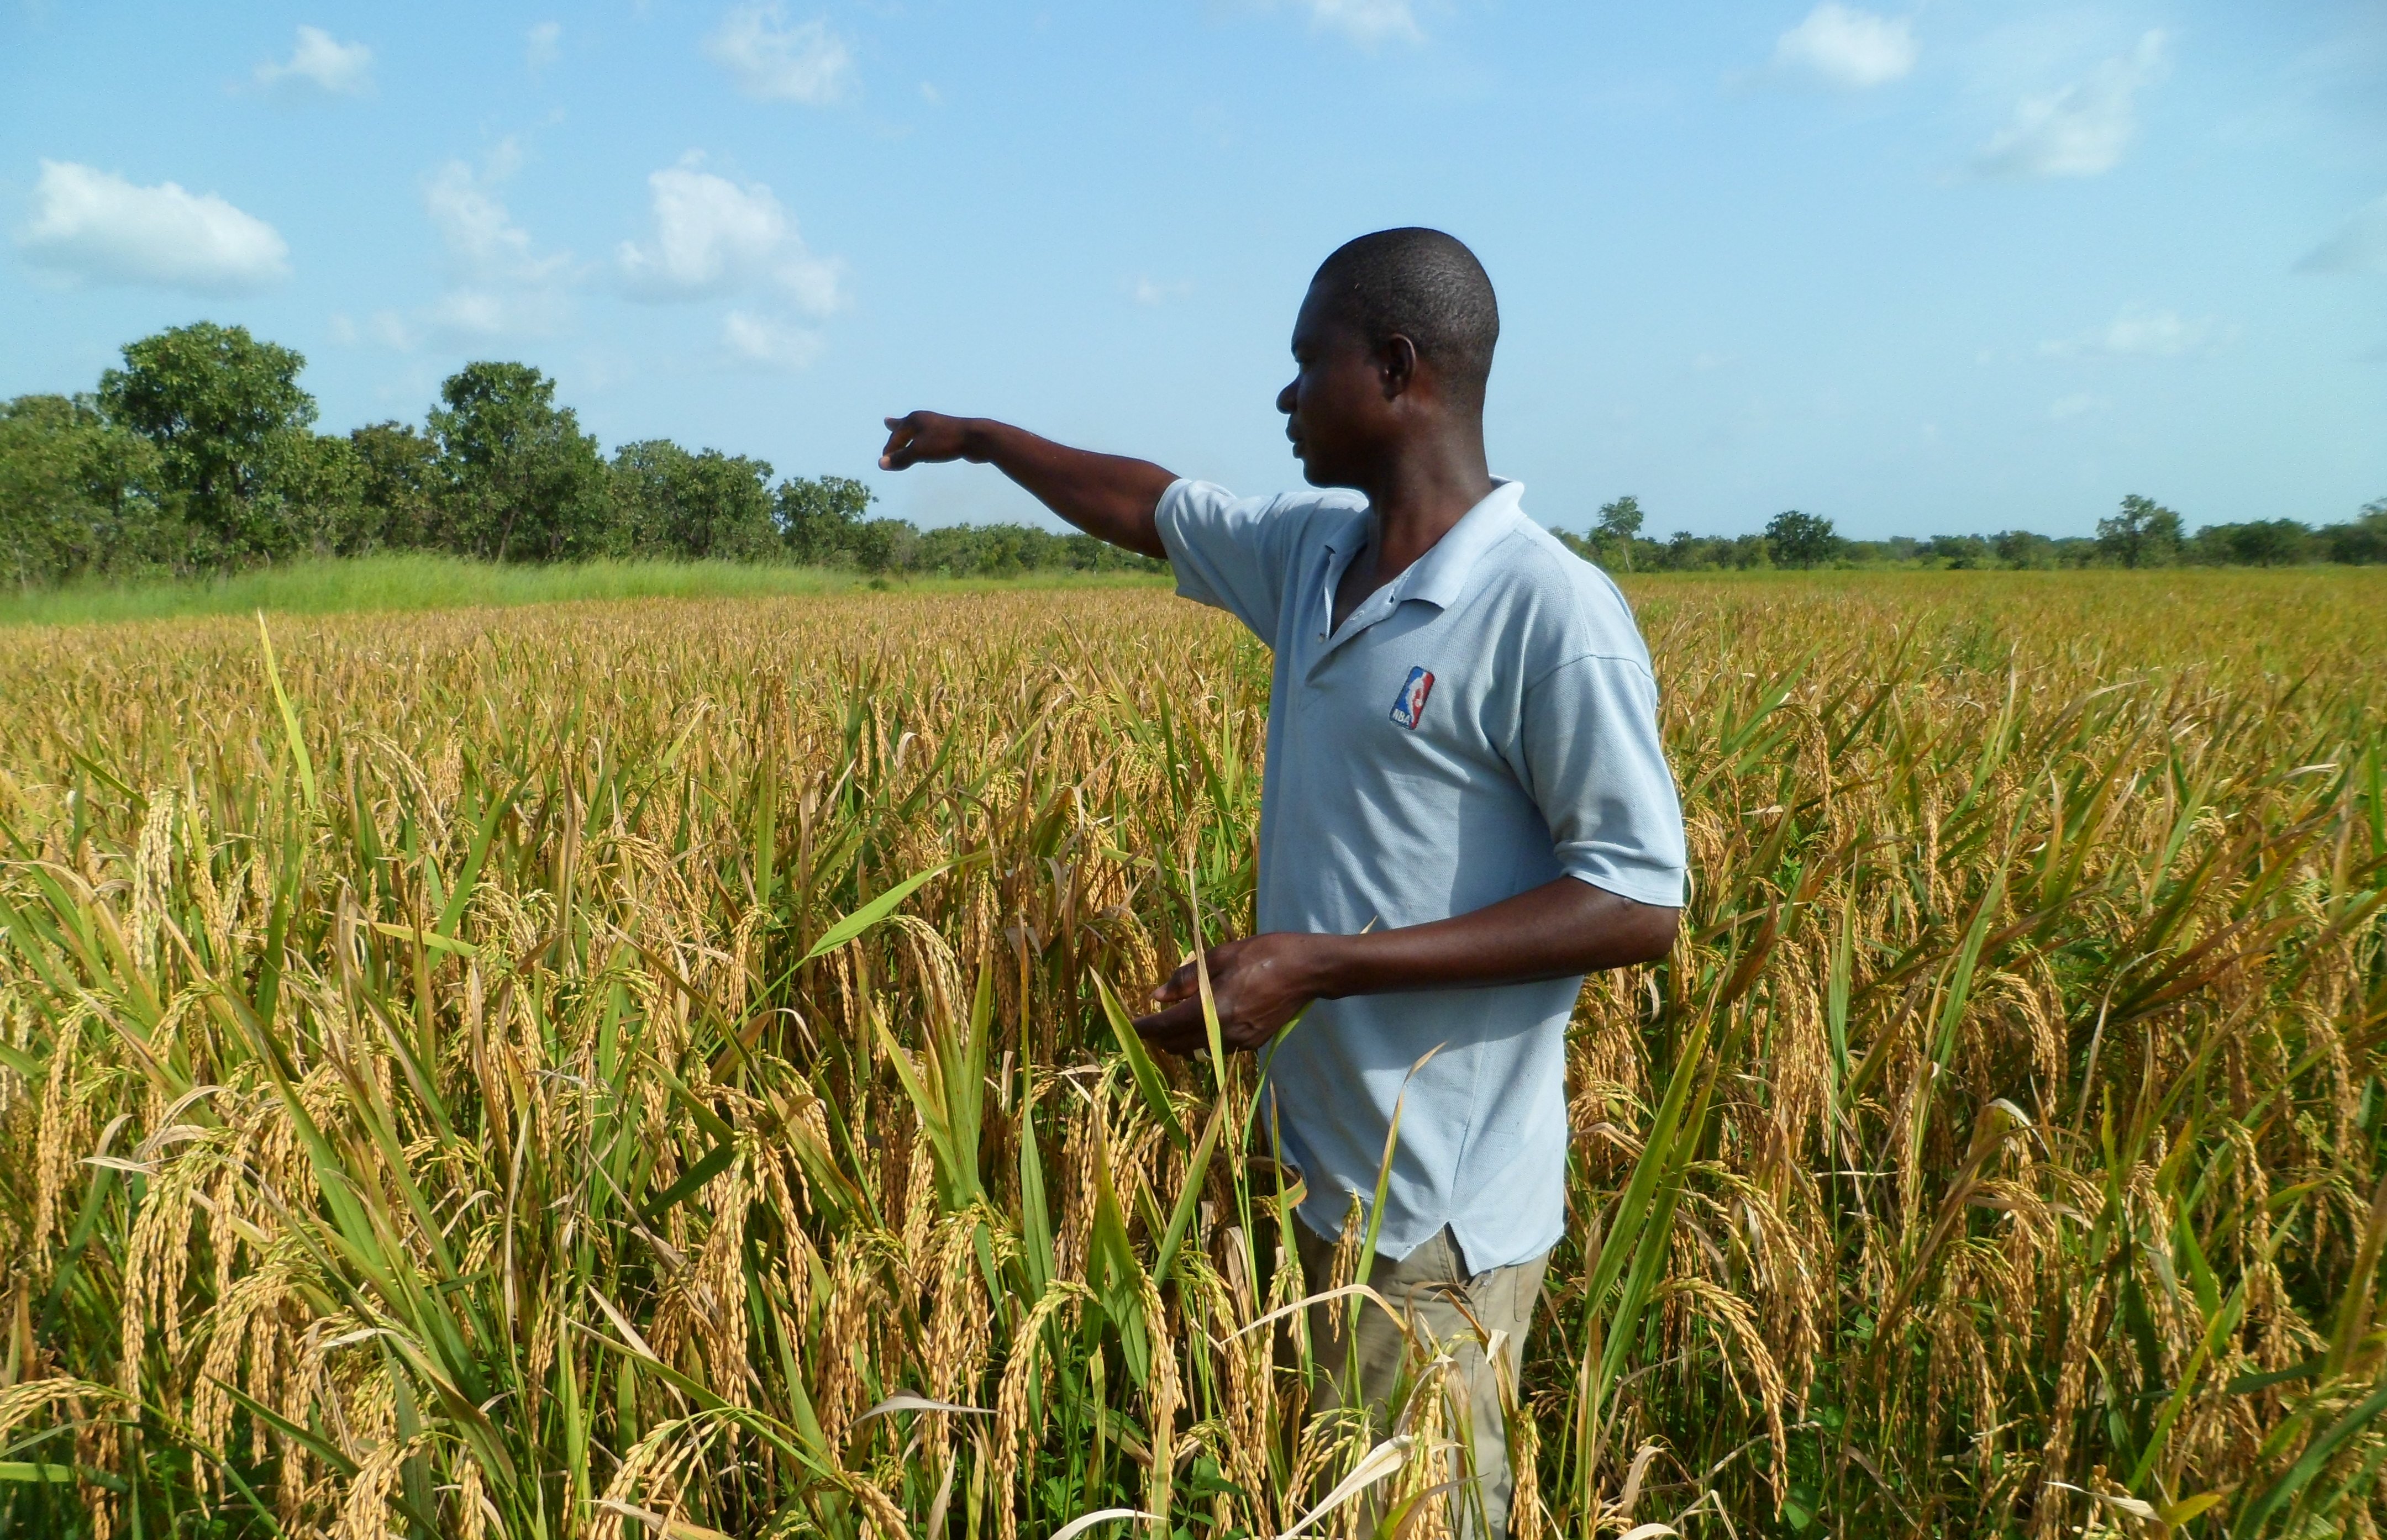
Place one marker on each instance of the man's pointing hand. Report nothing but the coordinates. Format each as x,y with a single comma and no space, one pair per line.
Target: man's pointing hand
924,437
1110,497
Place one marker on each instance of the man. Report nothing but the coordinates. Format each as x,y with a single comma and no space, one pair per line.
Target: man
1466,808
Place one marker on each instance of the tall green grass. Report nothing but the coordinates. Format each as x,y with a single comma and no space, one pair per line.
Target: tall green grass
417,581
427,581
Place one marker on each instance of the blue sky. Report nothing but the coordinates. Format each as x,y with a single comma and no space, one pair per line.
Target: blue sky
1955,266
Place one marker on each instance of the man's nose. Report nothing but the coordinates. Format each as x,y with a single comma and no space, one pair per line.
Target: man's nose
1285,400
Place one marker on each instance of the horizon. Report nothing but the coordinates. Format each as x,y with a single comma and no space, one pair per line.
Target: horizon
1941,270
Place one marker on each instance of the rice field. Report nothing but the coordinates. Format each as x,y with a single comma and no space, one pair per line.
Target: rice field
652,1069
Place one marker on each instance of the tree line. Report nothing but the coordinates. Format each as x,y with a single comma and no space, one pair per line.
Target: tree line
2141,533
200,454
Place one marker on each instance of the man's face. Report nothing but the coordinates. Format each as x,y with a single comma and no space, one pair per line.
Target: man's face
1336,411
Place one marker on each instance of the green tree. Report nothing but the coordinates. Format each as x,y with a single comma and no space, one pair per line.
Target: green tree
321,485
2256,543
518,478
397,474
821,519
697,506
2364,540
2020,548
1960,553
1619,526
884,545
228,417
1684,552
1798,539
2144,533
77,493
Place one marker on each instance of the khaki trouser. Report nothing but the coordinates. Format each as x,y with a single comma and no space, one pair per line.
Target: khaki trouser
1422,1285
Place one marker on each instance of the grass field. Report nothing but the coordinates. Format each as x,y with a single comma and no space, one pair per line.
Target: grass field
614,1069
426,581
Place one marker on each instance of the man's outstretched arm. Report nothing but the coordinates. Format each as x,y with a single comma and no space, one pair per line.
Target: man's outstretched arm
1109,496
1259,983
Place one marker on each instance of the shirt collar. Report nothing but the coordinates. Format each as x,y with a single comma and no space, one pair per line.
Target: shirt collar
1439,576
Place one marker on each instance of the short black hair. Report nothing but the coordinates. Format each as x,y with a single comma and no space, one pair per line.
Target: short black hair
1426,287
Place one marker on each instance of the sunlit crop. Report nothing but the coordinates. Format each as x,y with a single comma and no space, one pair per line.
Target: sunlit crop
642,1069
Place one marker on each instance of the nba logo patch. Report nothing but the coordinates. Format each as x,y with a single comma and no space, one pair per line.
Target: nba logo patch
1411,707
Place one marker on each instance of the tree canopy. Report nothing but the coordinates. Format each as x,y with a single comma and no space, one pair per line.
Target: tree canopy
229,423
1802,539
520,477
2142,534
198,453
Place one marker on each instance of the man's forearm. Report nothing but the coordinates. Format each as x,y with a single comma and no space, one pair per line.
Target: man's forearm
1554,931
1111,497
1562,927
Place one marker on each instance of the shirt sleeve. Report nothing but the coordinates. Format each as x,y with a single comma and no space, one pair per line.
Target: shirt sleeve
1231,553
1596,767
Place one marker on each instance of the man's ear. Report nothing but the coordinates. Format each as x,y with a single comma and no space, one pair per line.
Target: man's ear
1396,366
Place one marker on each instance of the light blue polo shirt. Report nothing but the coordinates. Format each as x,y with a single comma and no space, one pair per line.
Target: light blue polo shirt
1483,725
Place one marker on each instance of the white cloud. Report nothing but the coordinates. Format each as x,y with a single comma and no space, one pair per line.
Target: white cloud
1843,46
1147,290
95,225
321,62
543,45
482,238
761,341
776,62
2359,246
1367,22
714,237
2081,129
471,312
387,328
504,286
2140,333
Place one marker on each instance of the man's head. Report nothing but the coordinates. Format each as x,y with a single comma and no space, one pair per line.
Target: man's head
1393,342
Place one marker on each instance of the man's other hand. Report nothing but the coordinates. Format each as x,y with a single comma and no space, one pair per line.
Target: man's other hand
1563,927
1259,984
924,438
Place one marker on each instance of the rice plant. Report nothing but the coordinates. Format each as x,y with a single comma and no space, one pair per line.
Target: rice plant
659,1069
